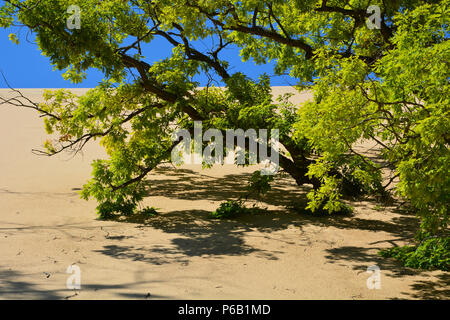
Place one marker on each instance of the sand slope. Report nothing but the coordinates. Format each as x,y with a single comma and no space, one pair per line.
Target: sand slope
45,227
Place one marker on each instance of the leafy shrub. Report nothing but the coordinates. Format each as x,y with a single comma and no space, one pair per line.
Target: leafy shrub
109,209
149,212
230,209
432,253
259,184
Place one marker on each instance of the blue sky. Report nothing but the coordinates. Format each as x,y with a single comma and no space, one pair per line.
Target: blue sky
25,67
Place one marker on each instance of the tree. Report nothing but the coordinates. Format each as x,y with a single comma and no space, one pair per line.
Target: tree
387,83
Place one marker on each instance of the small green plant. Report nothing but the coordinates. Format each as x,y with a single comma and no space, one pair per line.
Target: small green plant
109,209
259,184
230,209
432,253
378,207
149,212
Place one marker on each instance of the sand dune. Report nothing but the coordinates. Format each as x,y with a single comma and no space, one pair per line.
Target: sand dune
182,254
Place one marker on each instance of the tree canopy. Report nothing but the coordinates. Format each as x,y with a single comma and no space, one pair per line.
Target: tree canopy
389,85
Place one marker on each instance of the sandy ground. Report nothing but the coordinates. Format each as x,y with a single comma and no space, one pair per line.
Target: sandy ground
182,254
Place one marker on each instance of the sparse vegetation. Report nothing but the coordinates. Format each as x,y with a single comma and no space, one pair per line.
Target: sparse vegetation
149,212
230,209
433,253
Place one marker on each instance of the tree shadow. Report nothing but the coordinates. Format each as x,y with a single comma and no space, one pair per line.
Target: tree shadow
198,236
432,290
362,256
13,288
186,184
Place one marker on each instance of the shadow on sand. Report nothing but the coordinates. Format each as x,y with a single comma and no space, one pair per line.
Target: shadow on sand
199,235
12,286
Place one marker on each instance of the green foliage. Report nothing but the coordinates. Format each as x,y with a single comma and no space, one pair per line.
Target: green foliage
259,184
13,38
401,102
432,253
149,212
230,209
108,209
303,207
